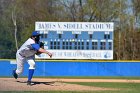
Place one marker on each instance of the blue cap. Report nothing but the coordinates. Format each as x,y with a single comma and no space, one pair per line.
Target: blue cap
35,33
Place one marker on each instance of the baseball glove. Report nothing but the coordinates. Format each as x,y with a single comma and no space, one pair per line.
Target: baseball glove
41,44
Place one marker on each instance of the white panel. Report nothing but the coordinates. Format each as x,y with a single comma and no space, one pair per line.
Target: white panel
94,40
74,26
59,32
90,32
76,32
103,40
79,54
106,32
110,40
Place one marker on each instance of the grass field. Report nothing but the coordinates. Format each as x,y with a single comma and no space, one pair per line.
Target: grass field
124,87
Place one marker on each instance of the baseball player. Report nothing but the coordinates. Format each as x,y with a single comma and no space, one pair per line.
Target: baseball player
26,53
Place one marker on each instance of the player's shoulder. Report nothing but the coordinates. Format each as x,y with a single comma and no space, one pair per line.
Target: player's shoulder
31,41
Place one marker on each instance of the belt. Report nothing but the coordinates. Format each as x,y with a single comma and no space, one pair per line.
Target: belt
21,55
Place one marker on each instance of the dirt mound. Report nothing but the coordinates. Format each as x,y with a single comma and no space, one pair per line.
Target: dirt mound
39,84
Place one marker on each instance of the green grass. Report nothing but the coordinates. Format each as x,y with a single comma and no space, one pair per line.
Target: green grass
125,87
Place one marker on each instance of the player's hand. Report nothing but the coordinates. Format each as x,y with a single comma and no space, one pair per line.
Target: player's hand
50,54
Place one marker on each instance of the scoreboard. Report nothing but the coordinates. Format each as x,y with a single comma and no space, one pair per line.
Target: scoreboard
76,40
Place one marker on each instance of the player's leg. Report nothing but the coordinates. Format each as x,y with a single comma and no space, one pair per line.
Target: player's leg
31,63
20,66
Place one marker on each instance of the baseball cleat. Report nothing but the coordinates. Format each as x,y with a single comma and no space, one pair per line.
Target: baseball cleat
30,83
14,74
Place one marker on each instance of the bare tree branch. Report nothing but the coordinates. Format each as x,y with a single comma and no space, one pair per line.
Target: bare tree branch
15,24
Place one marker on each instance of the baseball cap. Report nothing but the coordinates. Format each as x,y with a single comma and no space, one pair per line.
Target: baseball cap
35,33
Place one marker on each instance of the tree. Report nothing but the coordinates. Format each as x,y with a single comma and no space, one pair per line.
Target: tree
18,19
14,22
